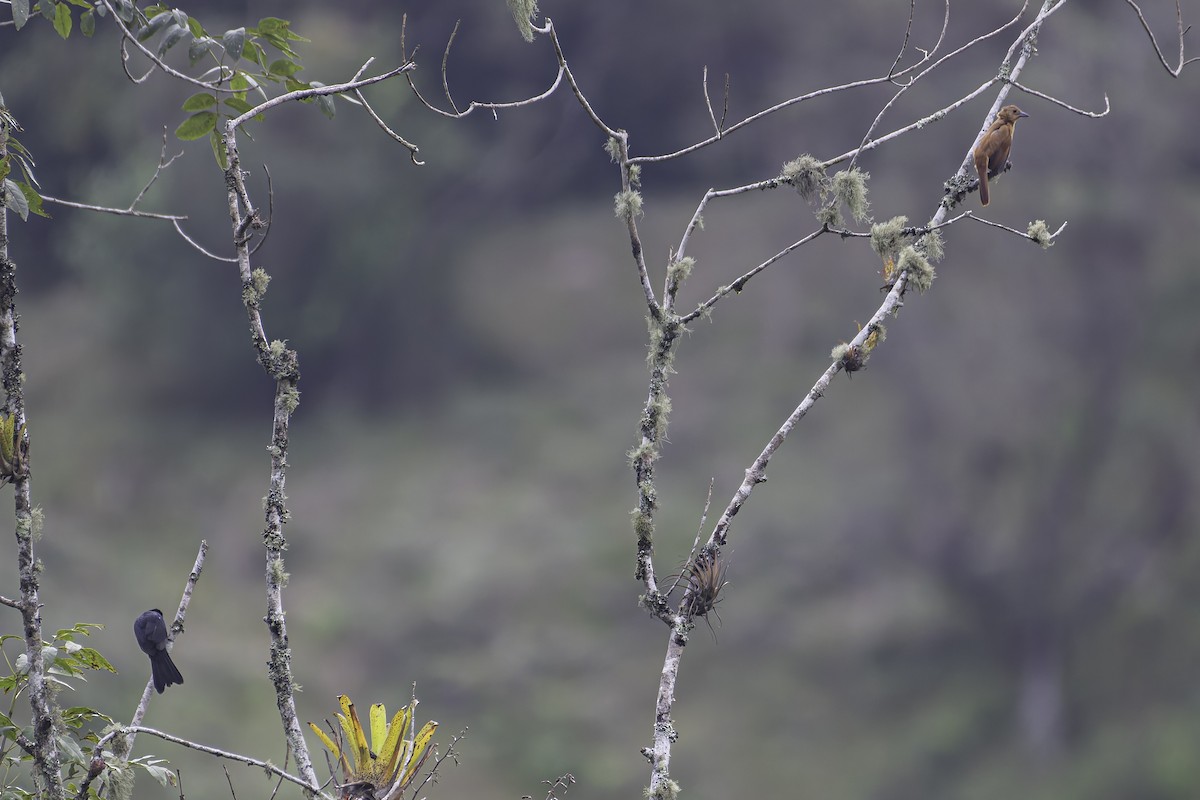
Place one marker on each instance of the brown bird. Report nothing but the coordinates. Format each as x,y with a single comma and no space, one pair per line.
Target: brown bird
994,147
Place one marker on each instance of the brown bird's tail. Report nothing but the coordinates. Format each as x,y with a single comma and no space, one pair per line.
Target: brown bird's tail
981,166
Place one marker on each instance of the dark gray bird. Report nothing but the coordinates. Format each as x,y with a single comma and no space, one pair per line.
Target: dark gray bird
150,629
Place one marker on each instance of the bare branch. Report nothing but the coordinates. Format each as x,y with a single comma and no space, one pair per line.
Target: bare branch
493,107
565,70
912,9
125,62
123,212
176,629
699,533
1061,104
936,116
412,148
317,91
717,126
1174,72
199,248
1022,234
445,61
740,283
929,69
266,766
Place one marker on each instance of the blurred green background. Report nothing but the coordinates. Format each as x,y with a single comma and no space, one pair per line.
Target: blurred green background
972,573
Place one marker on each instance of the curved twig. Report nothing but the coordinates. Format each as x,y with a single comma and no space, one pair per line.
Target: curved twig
1154,42
1061,104
1022,234
929,69
317,91
741,282
266,766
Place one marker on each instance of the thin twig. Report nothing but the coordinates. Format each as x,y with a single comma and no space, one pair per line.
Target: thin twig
412,148
912,81
1061,104
445,61
176,629
1154,42
1022,234
699,532
740,283
266,766
123,212
316,91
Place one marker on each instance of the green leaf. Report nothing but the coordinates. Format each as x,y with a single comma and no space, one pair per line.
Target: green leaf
126,11
20,11
284,67
195,27
268,25
234,42
255,52
91,658
238,104
173,38
218,148
62,20
49,9
196,126
87,23
199,102
33,199
14,198
5,167
156,24
325,103
163,775
240,82
199,48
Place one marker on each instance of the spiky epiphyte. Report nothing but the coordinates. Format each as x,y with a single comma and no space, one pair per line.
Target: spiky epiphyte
705,580
394,758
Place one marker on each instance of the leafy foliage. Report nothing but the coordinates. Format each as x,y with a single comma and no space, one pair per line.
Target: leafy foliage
236,64
66,659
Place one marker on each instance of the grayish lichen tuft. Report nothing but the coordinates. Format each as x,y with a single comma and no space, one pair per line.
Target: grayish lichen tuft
628,204
807,175
920,271
1040,233
886,237
523,12
850,187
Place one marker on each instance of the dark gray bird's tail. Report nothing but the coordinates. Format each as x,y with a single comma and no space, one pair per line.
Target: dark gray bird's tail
164,671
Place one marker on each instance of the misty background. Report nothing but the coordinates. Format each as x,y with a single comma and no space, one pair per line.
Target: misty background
972,573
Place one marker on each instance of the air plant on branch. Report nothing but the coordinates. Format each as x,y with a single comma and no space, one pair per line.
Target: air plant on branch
396,754
705,580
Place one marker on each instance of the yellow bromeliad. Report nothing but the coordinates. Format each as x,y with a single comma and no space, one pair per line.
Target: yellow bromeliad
395,756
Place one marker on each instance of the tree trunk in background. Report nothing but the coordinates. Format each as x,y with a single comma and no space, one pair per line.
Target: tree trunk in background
1040,712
